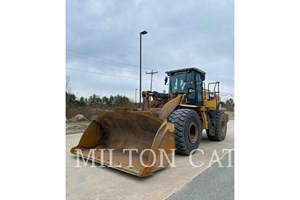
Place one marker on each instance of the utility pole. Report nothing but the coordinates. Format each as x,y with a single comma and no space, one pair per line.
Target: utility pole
152,72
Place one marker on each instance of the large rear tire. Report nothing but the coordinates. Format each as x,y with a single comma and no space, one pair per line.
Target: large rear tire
218,128
188,130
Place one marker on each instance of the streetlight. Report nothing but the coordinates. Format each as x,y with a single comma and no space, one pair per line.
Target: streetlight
141,33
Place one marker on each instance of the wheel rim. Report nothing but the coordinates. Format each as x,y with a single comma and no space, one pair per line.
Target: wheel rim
223,127
193,132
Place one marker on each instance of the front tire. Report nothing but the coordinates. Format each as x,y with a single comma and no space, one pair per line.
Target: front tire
188,130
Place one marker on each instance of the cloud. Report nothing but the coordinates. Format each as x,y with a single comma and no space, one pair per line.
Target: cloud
103,37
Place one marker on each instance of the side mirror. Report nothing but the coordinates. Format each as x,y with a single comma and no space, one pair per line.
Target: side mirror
166,80
191,90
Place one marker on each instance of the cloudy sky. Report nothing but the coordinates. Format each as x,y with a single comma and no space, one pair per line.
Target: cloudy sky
103,43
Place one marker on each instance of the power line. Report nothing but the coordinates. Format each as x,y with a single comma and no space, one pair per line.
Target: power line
105,60
80,70
101,73
101,60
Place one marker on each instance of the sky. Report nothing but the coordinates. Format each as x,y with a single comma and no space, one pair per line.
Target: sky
103,43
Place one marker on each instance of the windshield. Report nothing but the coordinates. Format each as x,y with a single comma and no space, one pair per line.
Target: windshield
181,82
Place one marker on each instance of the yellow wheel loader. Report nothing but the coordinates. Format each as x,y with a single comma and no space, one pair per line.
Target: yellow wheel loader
140,142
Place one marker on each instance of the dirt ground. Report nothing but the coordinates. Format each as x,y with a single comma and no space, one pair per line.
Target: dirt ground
76,127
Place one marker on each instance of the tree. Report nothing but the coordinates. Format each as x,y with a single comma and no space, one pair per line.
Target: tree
70,98
121,100
105,100
95,100
81,102
111,100
229,104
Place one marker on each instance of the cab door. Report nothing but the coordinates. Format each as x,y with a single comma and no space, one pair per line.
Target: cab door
198,89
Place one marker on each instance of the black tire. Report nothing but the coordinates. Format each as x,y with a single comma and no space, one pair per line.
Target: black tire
188,130
218,129
211,129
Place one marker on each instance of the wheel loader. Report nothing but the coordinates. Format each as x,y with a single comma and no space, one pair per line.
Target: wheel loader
143,141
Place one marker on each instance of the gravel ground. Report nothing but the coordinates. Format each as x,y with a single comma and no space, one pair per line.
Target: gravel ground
76,127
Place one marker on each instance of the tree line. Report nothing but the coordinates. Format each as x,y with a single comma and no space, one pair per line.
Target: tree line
97,100
229,104
116,101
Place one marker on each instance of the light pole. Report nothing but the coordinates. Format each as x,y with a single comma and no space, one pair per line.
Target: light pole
135,97
141,33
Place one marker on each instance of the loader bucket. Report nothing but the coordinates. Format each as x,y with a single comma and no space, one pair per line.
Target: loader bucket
113,136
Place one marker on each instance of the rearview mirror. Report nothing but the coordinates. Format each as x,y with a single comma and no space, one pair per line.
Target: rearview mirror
166,80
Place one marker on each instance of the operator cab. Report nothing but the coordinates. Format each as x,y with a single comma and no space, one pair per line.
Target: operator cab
187,81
